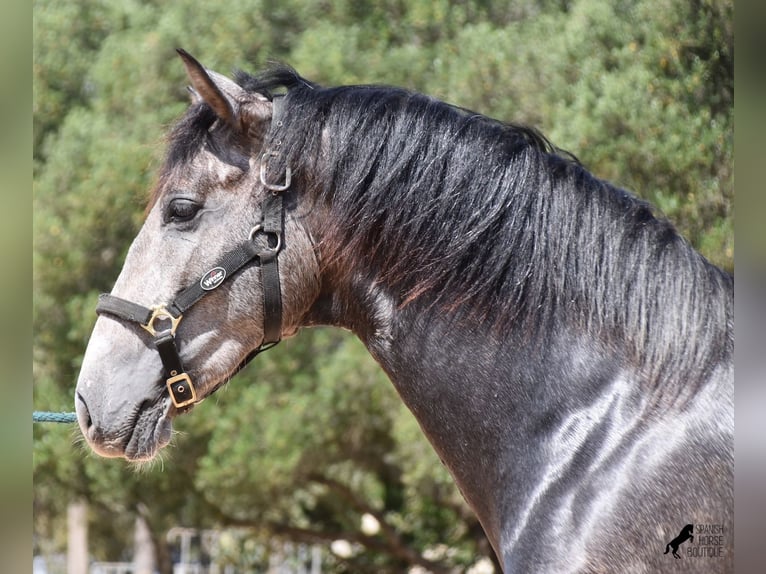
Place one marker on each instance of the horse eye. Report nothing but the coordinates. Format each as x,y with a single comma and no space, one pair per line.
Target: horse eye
180,210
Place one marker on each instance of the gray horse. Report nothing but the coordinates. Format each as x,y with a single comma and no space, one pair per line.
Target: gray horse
566,352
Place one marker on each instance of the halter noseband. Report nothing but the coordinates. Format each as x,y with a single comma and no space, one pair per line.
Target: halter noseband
162,321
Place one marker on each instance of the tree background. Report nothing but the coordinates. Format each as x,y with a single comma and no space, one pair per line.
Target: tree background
312,437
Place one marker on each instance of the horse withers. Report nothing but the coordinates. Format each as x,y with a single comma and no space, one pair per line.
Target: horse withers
566,352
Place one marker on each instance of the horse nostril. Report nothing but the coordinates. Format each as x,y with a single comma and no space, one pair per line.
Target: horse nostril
83,414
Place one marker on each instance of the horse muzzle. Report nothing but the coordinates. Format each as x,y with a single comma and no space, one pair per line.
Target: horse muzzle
136,434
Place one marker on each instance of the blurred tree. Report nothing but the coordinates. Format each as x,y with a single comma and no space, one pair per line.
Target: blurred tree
66,36
311,438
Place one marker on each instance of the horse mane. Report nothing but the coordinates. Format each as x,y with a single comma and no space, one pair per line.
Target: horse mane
464,212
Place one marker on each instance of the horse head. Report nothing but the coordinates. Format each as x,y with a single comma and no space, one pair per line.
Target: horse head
192,286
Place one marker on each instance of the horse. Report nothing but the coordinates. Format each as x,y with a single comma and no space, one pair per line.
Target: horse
687,533
565,351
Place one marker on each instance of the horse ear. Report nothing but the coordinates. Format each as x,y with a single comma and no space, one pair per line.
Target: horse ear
219,92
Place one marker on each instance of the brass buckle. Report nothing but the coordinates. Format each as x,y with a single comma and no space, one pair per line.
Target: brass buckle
170,384
161,313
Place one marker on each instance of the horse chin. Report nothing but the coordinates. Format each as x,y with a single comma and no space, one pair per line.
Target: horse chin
153,429
151,432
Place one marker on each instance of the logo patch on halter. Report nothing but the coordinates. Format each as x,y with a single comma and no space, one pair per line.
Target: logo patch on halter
212,278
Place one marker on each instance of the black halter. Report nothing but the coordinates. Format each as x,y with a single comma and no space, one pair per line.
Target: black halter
162,320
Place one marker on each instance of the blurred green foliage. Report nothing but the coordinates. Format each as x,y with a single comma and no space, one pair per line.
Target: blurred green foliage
312,436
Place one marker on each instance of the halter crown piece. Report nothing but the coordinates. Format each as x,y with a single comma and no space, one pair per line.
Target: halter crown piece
162,320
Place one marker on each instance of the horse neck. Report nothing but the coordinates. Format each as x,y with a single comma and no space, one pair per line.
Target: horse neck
487,398
507,409
476,394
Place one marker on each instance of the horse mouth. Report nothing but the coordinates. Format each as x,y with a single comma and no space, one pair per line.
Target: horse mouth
151,430
137,439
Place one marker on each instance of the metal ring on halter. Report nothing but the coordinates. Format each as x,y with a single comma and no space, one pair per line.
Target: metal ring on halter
160,313
274,186
258,228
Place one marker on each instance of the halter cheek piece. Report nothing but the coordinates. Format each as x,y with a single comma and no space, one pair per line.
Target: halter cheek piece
162,321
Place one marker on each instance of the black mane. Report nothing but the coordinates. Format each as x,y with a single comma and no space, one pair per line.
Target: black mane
465,212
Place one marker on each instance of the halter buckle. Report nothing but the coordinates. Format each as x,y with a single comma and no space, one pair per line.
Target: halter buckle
181,390
276,187
159,312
